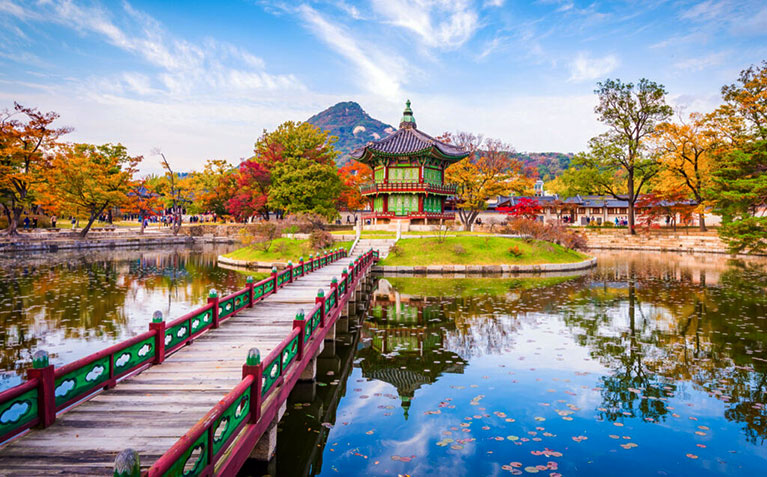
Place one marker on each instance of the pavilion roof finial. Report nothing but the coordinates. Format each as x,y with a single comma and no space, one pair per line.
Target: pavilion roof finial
407,121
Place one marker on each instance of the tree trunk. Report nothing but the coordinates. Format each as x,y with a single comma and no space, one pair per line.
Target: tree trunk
13,222
88,225
631,203
702,222
467,217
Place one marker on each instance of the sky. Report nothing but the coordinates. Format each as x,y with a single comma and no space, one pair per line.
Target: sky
202,80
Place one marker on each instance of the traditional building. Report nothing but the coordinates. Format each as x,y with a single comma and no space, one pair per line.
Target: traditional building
409,175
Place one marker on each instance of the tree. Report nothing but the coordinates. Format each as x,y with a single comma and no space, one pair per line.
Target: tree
143,199
620,157
353,174
686,157
213,187
23,146
90,179
252,194
176,194
300,159
666,204
747,100
487,172
525,207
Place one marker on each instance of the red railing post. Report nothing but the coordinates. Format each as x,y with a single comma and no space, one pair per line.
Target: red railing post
43,371
290,271
274,277
351,272
253,367
213,299
300,323
301,264
249,282
158,325
321,299
345,279
311,262
334,290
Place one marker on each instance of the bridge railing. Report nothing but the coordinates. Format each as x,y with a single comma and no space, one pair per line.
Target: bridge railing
50,390
252,405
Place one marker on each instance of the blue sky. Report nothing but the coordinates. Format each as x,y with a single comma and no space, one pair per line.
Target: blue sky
201,80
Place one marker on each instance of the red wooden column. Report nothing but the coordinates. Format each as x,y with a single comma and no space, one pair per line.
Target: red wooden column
420,203
300,323
253,367
213,299
43,371
321,300
250,291
274,278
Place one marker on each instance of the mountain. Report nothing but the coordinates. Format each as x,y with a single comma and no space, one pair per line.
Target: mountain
351,125
548,164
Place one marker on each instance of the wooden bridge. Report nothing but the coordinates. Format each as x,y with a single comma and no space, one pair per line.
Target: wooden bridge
192,396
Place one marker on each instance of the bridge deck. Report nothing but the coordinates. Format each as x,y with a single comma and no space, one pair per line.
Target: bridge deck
150,411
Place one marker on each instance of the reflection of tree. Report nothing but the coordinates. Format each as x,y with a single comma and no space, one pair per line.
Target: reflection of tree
653,329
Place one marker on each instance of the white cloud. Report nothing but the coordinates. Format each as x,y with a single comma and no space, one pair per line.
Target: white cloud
701,63
446,24
586,68
380,75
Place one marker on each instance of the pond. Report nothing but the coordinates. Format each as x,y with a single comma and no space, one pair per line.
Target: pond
652,364
72,304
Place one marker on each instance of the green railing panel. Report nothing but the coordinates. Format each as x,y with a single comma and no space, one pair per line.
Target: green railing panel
330,301
80,380
268,287
193,460
241,300
230,420
258,292
201,321
134,355
225,308
271,373
315,319
342,287
18,412
283,277
297,272
290,352
176,334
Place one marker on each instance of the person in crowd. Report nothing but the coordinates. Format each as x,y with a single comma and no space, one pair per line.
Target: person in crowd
26,223
53,221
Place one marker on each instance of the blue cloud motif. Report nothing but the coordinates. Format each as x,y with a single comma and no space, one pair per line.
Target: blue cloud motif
124,358
195,324
181,332
15,412
64,388
144,350
168,339
94,373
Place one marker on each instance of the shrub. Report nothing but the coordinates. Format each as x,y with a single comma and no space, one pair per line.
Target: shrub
459,250
536,230
515,251
265,233
320,239
397,251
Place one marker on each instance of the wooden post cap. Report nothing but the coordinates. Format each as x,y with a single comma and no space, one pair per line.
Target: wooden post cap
320,293
127,464
300,314
40,359
157,317
213,293
254,357
249,279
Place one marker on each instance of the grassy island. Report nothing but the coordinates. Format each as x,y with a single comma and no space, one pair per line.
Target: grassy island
469,287
468,250
281,250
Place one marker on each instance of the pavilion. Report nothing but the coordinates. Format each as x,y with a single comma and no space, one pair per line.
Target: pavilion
409,175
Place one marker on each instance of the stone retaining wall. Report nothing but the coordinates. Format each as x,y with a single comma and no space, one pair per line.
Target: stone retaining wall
22,245
664,241
476,269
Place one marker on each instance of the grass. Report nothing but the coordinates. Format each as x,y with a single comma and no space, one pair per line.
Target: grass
282,250
478,251
465,287
378,234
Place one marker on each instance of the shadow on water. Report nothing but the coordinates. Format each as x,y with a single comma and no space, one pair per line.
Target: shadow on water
655,359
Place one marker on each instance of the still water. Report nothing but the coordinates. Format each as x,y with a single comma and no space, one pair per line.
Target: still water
72,304
649,365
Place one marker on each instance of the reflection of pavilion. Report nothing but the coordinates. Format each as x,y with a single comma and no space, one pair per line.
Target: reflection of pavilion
406,344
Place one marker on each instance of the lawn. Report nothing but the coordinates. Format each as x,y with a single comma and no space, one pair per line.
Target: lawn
468,250
465,287
281,250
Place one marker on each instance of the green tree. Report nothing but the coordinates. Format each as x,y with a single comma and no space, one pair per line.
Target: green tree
300,159
213,187
620,161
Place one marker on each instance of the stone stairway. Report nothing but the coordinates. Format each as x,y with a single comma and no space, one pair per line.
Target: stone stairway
382,245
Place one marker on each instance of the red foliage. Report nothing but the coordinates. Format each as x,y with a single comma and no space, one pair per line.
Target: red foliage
655,207
252,191
353,174
525,207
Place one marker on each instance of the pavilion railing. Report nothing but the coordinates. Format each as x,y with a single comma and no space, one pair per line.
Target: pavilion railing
223,439
50,390
446,189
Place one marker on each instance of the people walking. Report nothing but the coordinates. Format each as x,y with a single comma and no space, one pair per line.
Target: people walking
53,221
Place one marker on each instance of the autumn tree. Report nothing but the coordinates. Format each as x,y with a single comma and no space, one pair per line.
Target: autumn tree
488,171
251,196
739,184
26,136
620,160
300,159
89,179
143,199
665,204
353,175
686,159
524,207
213,187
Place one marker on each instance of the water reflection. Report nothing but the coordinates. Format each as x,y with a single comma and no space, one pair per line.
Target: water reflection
654,359
74,303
